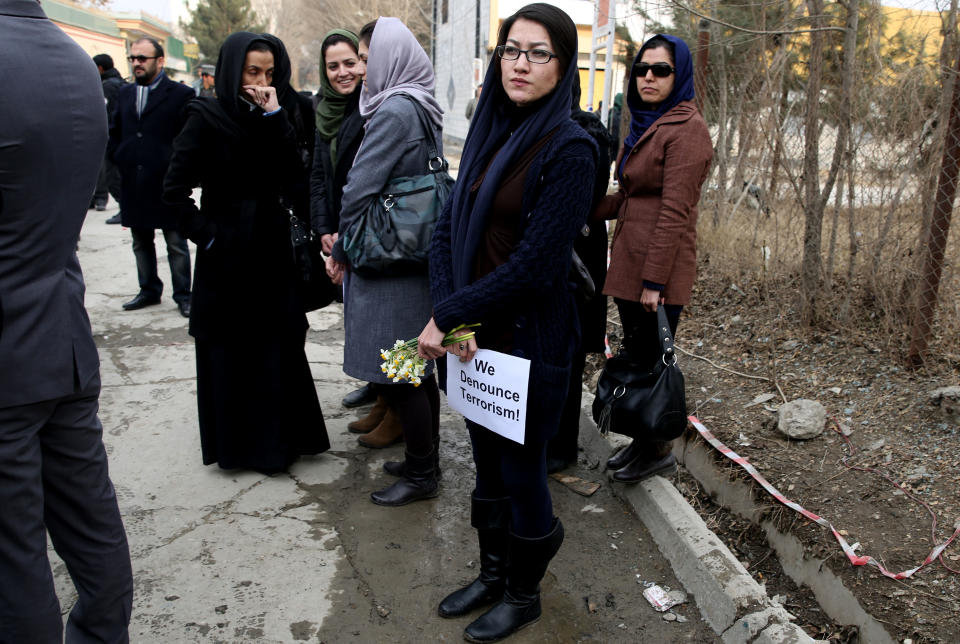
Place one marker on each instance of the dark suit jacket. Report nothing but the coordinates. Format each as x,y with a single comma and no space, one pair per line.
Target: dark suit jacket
141,149
51,146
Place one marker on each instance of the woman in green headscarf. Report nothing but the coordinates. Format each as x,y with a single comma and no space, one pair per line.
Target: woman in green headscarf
339,130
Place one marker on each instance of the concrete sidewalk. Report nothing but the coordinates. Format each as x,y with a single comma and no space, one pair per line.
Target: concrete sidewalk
305,556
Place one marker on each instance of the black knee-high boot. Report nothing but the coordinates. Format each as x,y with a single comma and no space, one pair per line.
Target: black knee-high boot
520,605
491,519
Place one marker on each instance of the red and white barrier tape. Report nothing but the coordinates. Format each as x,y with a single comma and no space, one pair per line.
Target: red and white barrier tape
855,559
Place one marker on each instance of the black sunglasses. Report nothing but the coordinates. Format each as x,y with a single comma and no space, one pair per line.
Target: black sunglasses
660,70
141,59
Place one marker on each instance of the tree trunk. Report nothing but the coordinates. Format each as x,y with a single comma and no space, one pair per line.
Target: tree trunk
723,145
926,305
815,201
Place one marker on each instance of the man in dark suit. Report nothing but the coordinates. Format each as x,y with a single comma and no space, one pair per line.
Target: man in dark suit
147,117
109,181
53,466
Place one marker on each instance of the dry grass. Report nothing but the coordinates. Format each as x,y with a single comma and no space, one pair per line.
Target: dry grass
760,252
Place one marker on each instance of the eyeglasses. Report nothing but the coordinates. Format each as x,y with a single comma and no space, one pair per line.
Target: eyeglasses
141,59
538,56
660,70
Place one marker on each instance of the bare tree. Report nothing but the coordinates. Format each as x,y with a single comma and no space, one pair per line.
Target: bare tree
814,199
302,24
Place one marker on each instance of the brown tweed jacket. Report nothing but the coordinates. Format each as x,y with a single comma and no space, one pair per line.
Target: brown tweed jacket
656,208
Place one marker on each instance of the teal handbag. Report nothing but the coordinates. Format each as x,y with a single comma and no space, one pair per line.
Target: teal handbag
393,235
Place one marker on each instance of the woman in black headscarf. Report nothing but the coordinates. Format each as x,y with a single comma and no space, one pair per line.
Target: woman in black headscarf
248,149
501,256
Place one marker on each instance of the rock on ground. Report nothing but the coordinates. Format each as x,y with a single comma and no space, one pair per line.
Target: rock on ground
802,419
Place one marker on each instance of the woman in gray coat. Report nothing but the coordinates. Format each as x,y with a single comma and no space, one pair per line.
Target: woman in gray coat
380,310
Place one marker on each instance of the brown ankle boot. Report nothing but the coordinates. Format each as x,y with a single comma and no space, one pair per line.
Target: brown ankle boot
388,432
369,422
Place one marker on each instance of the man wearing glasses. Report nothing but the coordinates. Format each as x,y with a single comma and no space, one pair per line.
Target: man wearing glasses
147,117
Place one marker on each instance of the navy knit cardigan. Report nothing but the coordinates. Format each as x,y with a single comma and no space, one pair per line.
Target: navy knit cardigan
531,290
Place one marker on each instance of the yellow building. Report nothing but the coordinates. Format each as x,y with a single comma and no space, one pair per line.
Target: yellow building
920,31
99,32
94,30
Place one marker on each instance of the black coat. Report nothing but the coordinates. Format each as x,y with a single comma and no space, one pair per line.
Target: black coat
592,248
112,83
141,149
245,281
327,182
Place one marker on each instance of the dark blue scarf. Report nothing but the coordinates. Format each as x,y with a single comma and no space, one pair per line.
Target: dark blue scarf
643,117
493,119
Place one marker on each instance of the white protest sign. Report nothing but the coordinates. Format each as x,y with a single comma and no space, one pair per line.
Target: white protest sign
491,390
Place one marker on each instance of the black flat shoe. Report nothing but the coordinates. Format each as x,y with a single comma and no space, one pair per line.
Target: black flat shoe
114,220
140,301
184,308
640,469
361,396
625,455
555,464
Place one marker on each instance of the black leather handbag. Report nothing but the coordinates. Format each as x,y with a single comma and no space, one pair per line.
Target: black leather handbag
316,289
638,402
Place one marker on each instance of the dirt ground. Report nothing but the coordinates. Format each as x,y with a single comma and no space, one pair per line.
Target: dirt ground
403,561
891,426
400,562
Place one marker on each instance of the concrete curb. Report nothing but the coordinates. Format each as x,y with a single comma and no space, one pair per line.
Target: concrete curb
738,496
729,599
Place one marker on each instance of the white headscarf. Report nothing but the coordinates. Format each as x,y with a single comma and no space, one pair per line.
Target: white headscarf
396,63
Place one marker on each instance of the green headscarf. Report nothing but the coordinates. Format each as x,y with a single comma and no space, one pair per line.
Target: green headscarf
332,104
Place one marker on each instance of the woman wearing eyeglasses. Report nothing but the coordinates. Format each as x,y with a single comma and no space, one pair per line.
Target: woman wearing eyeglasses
653,257
501,256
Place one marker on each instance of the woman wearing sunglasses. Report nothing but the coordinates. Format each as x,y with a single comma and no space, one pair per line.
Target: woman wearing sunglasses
653,261
501,256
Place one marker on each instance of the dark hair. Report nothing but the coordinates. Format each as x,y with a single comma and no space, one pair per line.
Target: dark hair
332,40
157,47
261,45
103,61
659,42
366,32
563,33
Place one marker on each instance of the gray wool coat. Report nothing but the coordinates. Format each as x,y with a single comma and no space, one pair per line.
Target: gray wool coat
380,310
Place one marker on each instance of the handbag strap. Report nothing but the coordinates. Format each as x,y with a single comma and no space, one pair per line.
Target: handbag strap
435,161
666,337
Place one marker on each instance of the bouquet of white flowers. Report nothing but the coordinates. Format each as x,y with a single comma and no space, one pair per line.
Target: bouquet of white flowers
402,362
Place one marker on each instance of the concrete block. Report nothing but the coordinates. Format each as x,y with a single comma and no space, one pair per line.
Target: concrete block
706,567
749,626
783,634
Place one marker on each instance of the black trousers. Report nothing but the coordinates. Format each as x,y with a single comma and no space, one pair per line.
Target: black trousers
563,445
53,478
178,255
418,409
108,183
508,469
640,338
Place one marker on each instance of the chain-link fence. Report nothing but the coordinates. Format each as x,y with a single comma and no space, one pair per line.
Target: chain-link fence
835,163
